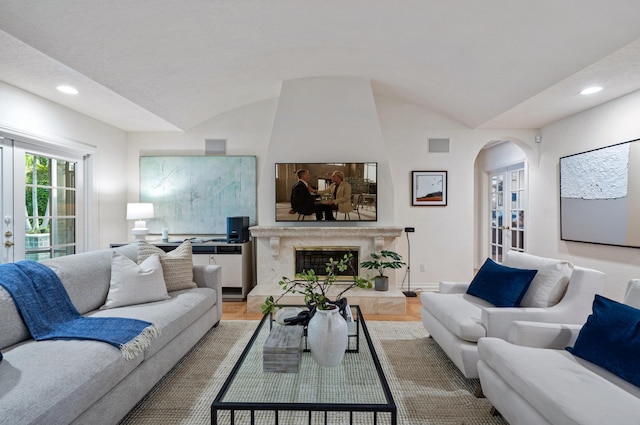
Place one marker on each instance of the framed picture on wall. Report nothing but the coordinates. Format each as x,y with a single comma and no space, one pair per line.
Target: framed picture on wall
428,188
194,195
600,195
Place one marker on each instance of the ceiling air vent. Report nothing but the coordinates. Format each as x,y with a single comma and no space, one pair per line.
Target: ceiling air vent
438,145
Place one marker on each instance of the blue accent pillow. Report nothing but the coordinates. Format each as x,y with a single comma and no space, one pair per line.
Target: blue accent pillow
611,339
500,285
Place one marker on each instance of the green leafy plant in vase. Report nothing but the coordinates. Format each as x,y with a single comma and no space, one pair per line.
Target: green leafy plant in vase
316,288
327,334
380,262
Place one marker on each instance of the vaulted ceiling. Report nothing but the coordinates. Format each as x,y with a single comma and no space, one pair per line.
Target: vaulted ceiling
158,65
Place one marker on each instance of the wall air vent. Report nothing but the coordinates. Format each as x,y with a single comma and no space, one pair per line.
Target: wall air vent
438,145
215,146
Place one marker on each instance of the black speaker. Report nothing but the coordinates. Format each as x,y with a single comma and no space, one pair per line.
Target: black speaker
237,229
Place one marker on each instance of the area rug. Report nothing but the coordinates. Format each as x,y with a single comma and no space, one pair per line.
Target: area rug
426,386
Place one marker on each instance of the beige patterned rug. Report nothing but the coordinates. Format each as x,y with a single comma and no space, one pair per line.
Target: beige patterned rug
426,386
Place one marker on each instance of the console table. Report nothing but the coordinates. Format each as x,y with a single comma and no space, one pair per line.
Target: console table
236,260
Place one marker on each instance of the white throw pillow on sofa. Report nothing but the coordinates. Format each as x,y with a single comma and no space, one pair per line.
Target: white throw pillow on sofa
632,294
550,282
133,283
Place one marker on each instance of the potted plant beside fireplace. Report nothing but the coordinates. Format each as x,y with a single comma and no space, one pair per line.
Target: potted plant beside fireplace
380,262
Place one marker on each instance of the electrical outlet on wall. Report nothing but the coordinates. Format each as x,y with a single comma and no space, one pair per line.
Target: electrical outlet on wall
423,268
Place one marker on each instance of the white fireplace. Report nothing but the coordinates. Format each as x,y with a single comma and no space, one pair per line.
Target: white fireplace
276,254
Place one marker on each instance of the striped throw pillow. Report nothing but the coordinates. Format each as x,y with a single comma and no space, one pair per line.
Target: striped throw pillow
177,265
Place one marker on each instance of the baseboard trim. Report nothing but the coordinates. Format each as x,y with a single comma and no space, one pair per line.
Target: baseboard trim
427,287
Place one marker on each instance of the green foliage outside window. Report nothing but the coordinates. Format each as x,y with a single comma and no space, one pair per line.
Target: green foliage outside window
37,174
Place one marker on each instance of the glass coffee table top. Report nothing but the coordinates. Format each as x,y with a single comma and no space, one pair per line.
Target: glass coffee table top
358,384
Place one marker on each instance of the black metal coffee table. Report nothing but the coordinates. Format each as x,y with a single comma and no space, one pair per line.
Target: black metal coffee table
354,392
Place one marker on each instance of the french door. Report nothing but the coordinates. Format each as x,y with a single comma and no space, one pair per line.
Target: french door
42,201
507,210
6,201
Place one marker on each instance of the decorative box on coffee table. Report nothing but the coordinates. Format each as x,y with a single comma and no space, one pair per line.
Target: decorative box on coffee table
282,349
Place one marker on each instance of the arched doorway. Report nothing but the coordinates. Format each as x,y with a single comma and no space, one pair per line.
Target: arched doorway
501,207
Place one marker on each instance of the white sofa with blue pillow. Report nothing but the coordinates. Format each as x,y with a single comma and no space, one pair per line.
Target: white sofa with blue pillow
534,379
558,293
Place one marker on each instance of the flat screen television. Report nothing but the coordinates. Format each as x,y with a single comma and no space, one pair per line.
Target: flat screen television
359,177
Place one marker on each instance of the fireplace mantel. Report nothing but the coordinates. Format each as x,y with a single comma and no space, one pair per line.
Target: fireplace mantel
275,257
276,233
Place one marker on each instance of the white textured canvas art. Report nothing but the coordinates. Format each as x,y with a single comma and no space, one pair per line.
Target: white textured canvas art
600,195
599,174
194,195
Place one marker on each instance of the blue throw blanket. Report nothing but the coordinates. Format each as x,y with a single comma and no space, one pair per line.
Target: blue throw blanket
47,311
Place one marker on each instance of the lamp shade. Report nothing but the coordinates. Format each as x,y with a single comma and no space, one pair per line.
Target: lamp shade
139,211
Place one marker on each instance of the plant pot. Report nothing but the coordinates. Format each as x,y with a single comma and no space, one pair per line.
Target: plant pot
382,283
327,336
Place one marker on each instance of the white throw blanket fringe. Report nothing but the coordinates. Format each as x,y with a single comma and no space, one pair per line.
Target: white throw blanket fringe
137,345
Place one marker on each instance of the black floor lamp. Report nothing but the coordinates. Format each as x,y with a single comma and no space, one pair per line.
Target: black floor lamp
409,292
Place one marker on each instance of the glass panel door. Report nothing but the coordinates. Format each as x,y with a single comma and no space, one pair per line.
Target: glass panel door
507,211
40,203
50,204
497,217
6,200
517,195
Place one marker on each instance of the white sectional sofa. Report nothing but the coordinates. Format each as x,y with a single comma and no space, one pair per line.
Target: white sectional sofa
532,379
57,382
457,320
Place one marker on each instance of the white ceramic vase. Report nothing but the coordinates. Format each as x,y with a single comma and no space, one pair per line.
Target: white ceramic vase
327,336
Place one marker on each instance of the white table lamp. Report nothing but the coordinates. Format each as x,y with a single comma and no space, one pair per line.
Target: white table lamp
139,212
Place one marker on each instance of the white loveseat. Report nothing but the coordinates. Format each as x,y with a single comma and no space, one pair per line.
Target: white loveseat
457,320
532,379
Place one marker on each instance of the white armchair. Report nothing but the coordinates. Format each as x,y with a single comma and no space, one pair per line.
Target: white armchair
574,307
556,336
533,379
457,320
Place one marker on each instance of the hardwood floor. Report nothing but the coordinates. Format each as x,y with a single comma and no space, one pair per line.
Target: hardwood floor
237,310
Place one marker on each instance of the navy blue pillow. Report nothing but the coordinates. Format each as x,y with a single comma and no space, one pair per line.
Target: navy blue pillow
611,339
500,285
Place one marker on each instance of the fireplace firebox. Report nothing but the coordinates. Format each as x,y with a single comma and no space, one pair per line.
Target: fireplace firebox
316,259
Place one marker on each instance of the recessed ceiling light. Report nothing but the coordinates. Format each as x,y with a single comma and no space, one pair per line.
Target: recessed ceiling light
67,89
591,90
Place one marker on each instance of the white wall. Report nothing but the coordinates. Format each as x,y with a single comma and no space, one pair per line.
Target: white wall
327,119
246,129
500,156
26,113
612,123
443,240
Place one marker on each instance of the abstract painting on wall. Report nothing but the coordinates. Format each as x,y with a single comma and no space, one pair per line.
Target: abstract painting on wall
600,195
429,188
194,195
